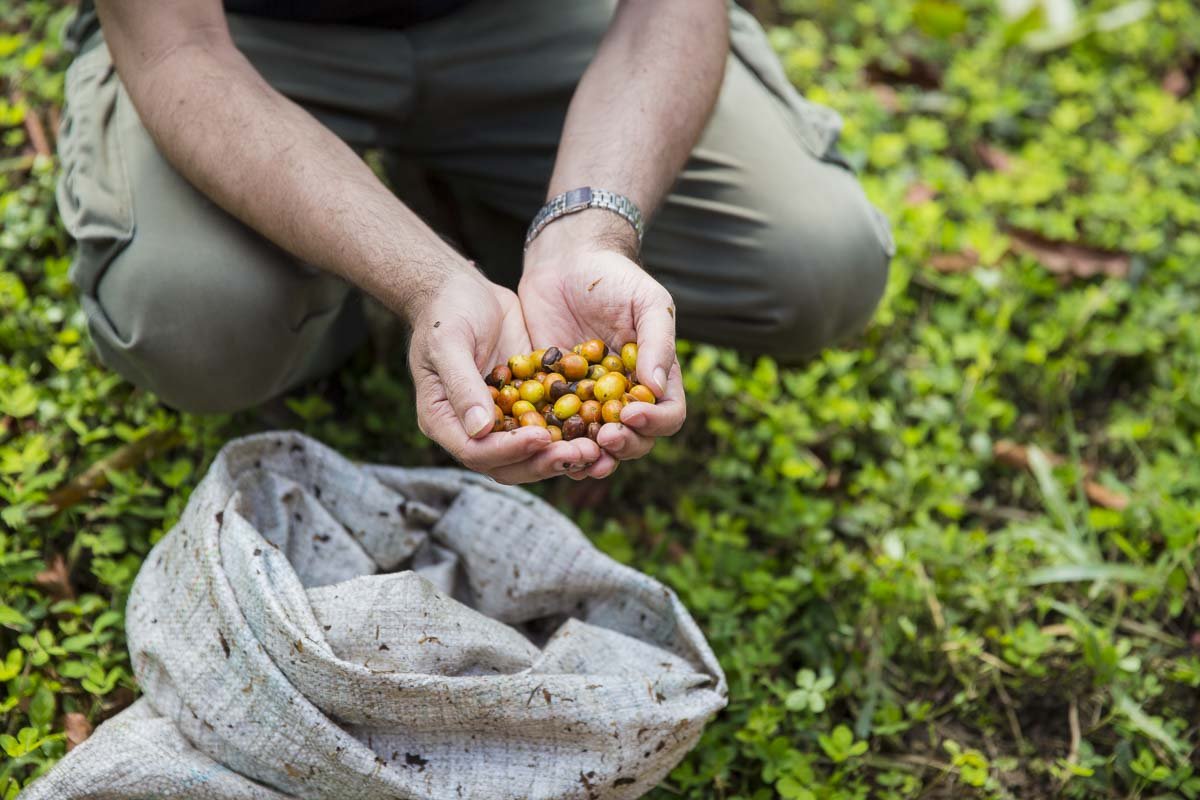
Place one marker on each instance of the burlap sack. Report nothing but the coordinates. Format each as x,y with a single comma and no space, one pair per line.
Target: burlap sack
314,628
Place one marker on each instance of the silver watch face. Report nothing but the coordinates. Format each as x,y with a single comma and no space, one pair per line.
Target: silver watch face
577,199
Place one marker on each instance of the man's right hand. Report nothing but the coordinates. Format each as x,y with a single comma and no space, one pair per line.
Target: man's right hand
467,326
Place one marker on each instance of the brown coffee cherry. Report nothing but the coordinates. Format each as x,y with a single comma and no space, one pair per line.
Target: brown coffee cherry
499,376
550,357
573,366
559,387
552,419
629,357
551,379
593,350
612,363
642,394
610,386
574,427
506,397
567,406
521,407
511,424
586,390
611,411
533,391
590,411
556,434
593,430
532,418
494,392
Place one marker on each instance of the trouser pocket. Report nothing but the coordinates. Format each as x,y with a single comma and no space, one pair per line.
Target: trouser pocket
94,194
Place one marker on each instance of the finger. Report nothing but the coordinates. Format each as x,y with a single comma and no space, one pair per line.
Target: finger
605,465
557,459
663,418
655,321
464,386
623,442
499,449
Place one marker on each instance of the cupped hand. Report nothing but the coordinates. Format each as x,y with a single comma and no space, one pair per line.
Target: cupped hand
577,286
465,328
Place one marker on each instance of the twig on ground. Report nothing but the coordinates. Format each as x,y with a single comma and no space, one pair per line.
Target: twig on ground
1013,723
33,125
95,477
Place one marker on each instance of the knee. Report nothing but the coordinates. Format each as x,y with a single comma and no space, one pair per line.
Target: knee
828,266
200,340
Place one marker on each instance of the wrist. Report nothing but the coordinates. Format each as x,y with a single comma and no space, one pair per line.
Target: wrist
412,293
589,231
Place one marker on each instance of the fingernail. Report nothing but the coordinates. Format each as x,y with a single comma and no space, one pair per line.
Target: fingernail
477,420
660,377
635,419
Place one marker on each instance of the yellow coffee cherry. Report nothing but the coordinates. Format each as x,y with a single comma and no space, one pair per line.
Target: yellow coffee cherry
533,391
642,394
629,357
567,406
522,366
609,387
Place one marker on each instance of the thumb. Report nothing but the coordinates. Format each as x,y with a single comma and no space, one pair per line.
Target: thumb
465,389
656,341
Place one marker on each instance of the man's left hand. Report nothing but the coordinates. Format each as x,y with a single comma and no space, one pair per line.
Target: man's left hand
581,282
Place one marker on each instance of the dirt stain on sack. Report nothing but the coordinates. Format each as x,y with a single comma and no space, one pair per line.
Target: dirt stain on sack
587,785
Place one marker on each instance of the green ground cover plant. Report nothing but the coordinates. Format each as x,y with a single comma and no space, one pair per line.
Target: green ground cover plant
956,558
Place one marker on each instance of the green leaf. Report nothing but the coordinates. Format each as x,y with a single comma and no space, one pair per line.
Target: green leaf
12,618
20,401
1069,573
41,707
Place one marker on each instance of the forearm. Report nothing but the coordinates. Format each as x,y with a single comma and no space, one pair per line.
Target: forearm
269,163
644,100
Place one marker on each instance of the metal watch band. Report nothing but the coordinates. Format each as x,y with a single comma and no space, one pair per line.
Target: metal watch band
586,197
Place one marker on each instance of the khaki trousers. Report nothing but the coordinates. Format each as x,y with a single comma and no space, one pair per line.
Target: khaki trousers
766,241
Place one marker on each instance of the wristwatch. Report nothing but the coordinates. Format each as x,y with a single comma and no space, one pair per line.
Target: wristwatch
586,197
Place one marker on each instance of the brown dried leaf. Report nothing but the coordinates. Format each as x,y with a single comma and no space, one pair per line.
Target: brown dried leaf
1070,259
55,579
1104,497
949,263
78,729
1176,82
993,157
914,70
1015,455
887,97
919,193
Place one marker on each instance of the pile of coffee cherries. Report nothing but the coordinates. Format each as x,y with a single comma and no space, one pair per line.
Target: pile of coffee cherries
570,393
